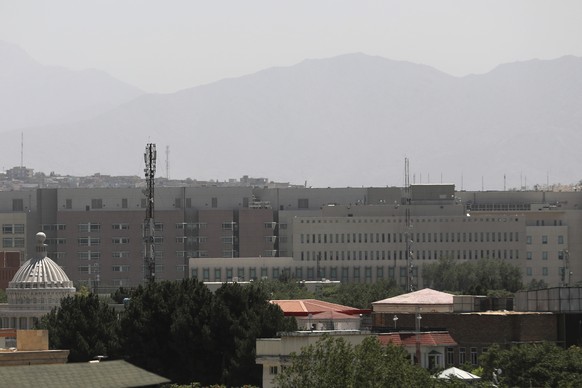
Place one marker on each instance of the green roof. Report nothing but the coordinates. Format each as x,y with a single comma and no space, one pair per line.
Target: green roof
105,374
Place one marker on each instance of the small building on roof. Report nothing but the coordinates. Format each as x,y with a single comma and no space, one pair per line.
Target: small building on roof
425,300
313,314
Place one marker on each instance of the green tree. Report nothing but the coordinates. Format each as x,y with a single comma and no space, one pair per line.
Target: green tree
3,296
479,277
84,325
285,288
333,362
360,295
184,332
537,365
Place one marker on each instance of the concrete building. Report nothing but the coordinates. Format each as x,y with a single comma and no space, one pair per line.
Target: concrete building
344,234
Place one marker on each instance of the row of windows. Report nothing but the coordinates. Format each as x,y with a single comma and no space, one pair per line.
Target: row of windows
545,271
544,239
561,254
94,270
13,228
60,256
341,238
466,254
310,273
10,242
94,241
378,220
473,356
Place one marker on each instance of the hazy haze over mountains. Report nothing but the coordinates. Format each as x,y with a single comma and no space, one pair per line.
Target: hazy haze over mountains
343,121
32,94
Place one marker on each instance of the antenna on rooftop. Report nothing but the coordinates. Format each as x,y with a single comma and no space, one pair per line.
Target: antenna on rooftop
408,234
168,162
149,225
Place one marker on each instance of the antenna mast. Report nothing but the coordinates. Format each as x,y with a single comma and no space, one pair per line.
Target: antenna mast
149,225
168,162
408,234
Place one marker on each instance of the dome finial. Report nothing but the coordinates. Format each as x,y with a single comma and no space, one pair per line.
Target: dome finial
40,245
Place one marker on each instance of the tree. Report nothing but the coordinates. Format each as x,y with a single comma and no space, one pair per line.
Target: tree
538,365
84,325
360,295
479,277
333,362
184,332
285,288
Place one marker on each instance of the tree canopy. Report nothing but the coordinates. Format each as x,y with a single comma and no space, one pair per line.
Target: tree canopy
477,277
84,325
534,365
333,362
184,332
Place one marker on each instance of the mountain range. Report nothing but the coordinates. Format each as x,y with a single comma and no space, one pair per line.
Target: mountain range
343,121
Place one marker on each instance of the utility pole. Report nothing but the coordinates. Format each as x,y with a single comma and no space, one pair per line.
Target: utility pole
149,225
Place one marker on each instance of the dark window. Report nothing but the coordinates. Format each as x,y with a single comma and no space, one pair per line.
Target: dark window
17,205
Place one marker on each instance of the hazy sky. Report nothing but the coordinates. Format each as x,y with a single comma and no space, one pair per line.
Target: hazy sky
164,46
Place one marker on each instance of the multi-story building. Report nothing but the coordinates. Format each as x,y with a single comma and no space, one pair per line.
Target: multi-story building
346,234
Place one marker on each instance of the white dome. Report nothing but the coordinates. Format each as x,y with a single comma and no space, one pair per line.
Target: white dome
40,271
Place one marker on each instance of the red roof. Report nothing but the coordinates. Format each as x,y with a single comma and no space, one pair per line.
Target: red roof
304,307
425,339
334,315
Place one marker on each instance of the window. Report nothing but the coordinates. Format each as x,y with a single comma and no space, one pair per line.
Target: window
303,203
206,274
178,203
450,356
528,240
120,255
17,205
120,268
529,255
89,255
120,240
474,356
217,274
560,239
124,203
89,227
96,203
273,370
545,271
528,271
120,226
214,202
544,255
68,203
544,239
7,242
462,356
13,228
89,241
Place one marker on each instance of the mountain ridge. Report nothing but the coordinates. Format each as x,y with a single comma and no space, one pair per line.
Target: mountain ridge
345,121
